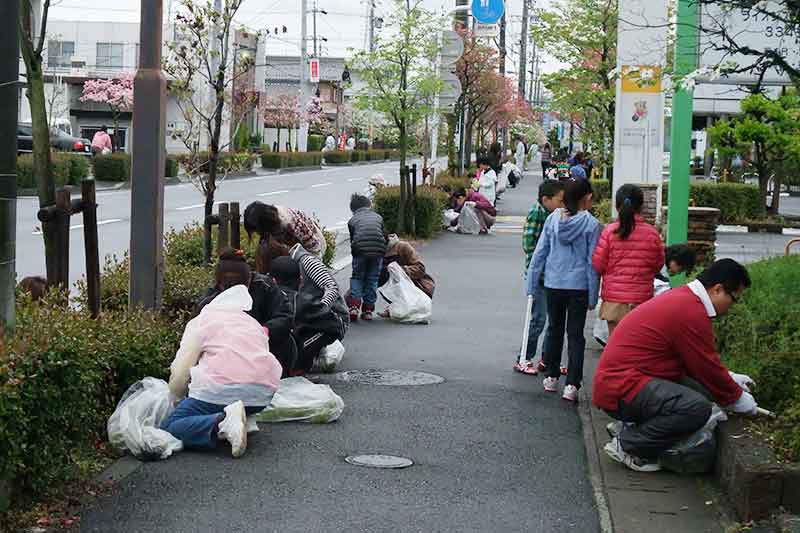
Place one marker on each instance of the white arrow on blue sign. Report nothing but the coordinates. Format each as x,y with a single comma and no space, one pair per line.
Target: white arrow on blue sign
488,11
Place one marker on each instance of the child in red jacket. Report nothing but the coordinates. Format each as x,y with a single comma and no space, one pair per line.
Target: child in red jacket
628,256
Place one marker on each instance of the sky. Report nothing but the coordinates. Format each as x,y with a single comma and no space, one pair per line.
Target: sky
344,26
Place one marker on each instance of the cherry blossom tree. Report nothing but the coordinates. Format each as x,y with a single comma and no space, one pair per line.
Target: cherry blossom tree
116,93
280,112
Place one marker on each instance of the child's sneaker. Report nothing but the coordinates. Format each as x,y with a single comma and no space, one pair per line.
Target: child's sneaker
367,316
526,368
550,384
570,393
563,370
354,313
541,367
615,451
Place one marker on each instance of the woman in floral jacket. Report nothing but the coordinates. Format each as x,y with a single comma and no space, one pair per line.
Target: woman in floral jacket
279,228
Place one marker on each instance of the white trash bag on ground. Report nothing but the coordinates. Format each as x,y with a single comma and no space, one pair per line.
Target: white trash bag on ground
136,422
329,358
448,217
407,302
298,399
468,221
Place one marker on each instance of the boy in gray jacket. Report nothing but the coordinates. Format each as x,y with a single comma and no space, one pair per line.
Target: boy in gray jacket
367,245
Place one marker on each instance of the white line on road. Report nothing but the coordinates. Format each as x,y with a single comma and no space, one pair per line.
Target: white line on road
80,226
273,193
355,179
195,206
316,185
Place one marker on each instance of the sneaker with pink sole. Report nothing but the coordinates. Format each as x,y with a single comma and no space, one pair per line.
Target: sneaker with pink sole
570,393
550,384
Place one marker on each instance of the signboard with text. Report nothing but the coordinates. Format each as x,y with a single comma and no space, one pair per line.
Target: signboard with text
486,30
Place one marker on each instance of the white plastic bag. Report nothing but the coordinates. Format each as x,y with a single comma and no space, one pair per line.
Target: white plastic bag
407,302
299,399
600,329
468,221
448,217
329,358
136,422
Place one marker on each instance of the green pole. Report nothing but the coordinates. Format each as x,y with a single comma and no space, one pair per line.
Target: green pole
681,151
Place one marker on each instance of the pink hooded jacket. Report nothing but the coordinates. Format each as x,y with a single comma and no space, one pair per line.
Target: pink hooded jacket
628,267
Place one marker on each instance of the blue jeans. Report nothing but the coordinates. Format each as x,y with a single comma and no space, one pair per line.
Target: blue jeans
196,423
538,322
566,311
364,282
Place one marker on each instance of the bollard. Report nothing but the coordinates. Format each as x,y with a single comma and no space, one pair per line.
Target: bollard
223,231
63,210
236,229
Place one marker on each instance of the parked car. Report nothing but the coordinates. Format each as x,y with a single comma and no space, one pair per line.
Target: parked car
59,141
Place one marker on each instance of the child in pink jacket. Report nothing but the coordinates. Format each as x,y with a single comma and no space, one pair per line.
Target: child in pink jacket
628,256
225,363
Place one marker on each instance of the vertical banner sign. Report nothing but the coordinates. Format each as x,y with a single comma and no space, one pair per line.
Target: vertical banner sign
639,120
314,69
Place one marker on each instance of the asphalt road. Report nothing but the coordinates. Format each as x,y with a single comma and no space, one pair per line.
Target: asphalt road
493,452
325,193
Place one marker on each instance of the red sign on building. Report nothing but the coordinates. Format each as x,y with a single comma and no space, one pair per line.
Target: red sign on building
314,67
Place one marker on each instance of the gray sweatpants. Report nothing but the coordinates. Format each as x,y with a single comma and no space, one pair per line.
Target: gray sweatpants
663,413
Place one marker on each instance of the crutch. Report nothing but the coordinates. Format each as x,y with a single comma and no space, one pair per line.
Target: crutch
523,351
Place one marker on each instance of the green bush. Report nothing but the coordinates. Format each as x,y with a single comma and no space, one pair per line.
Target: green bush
78,166
64,171
602,211
61,376
602,190
761,337
315,142
171,167
112,167
338,158
290,159
330,248
357,156
226,162
429,205
737,202
449,183
271,159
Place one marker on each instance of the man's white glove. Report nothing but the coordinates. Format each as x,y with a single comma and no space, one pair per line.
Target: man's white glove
174,400
743,380
745,405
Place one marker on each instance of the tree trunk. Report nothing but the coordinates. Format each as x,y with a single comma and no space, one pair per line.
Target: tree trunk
468,144
401,212
211,184
452,164
774,208
42,163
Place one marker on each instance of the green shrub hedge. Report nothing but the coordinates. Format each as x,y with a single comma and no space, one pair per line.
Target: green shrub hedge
430,202
315,142
337,158
227,162
602,190
112,167
737,202
291,159
171,167
68,169
761,337
60,378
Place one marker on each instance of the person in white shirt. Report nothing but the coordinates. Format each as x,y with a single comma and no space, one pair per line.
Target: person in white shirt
488,180
520,154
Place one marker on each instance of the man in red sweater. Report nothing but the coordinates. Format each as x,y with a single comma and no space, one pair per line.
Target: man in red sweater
642,376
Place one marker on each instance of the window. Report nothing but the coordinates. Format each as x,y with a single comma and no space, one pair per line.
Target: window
109,55
59,53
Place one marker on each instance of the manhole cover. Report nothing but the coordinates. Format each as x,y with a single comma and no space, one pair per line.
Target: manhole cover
379,461
388,377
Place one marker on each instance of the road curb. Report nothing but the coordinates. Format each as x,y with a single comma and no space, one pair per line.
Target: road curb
734,229
595,472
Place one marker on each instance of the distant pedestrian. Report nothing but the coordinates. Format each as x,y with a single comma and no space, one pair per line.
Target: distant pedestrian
330,143
487,182
367,246
564,255
547,158
101,142
351,144
35,286
519,155
551,197
628,256
577,169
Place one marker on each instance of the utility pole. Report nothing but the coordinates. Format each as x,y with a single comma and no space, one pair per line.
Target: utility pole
315,29
215,59
370,128
147,184
523,48
503,131
302,141
682,105
9,110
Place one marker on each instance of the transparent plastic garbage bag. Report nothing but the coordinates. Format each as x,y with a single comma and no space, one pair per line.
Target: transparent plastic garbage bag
407,302
298,399
696,453
329,358
135,424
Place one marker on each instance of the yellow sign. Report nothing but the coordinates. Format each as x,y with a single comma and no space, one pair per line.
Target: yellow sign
641,78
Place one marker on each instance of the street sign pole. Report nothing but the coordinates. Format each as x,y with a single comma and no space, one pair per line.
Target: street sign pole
685,62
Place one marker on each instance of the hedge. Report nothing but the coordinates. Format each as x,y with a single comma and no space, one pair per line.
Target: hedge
430,202
291,159
226,162
68,169
112,167
602,190
337,157
315,142
737,202
760,337
171,167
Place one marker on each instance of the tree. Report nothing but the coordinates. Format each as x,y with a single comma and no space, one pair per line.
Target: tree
582,34
782,17
281,112
201,62
31,48
400,74
116,93
767,136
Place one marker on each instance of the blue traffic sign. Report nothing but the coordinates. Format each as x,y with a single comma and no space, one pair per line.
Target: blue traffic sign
488,11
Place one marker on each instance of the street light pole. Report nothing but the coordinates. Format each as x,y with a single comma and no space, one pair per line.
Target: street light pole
523,49
680,154
302,140
9,102
147,171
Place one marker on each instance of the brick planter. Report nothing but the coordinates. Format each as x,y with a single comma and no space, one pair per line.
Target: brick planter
750,474
702,231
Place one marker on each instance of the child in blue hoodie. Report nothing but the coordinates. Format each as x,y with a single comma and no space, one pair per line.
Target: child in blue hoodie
564,254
